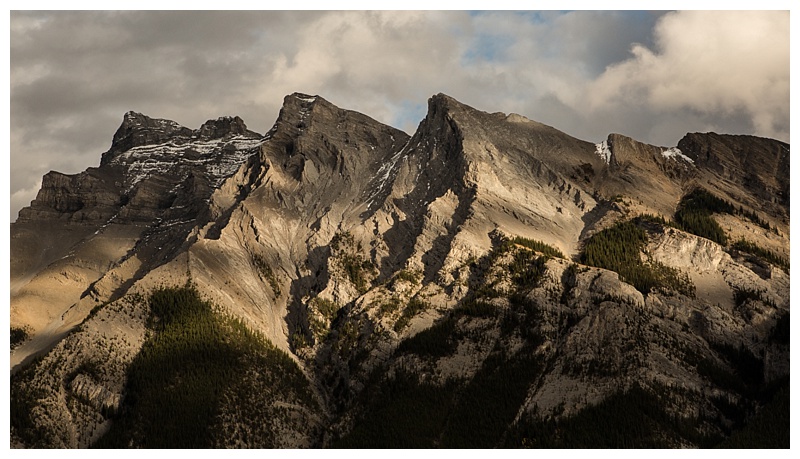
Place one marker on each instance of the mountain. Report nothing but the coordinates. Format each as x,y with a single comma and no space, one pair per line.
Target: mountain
488,281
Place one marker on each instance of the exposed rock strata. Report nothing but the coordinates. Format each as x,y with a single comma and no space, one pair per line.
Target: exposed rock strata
340,238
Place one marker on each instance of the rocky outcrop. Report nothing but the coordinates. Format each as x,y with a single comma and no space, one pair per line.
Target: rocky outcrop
655,176
98,396
753,171
138,130
378,259
223,127
104,228
86,197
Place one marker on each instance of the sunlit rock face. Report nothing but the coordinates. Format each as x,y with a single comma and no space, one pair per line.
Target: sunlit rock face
427,290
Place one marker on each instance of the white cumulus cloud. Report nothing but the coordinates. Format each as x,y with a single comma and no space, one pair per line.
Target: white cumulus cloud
711,62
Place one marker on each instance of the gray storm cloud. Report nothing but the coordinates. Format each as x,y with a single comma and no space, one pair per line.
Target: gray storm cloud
652,76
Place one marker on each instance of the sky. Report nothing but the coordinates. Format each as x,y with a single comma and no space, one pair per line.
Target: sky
653,76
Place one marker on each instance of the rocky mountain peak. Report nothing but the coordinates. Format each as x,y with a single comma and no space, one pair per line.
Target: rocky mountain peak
441,101
487,264
137,130
298,106
619,150
310,128
224,126
294,116
443,108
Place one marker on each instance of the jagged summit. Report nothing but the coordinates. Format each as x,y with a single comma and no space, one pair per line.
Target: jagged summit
224,127
138,130
313,138
486,264
294,114
443,101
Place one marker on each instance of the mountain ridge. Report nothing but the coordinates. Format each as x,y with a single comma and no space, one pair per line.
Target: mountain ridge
347,243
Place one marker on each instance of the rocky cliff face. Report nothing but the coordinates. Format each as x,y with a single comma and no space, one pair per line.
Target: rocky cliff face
452,288
754,171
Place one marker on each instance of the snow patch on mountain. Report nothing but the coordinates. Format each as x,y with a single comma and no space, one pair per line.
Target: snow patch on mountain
676,153
385,175
602,150
219,157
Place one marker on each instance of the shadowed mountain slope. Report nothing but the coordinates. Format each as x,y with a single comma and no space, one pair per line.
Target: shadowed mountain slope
488,281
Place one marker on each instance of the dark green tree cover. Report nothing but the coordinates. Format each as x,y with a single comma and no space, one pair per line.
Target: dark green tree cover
743,245
403,412
634,418
737,369
694,215
489,403
721,376
356,269
389,305
752,216
769,428
265,271
527,269
195,361
410,276
538,246
748,368
473,307
326,307
755,400
702,224
700,198
619,248
355,266
342,240
18,336
616,248
657,219
742,295
414,307
24,399
328,310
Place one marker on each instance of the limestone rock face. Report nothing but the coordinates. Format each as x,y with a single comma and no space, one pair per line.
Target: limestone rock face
752,170
447,262
106,227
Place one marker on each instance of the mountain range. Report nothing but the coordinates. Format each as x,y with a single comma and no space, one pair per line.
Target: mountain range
489,281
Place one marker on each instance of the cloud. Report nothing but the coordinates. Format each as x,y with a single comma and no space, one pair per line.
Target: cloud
652,76
720,62
372,62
